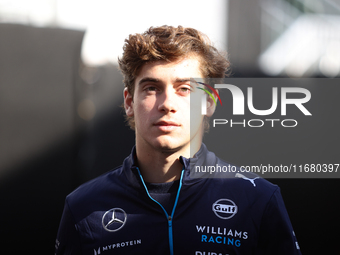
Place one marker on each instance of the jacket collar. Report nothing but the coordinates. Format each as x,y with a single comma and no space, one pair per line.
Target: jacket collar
202,157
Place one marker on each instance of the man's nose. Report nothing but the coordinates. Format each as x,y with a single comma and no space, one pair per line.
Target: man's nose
168,101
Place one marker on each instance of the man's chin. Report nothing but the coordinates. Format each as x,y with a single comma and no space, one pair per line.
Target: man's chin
169,148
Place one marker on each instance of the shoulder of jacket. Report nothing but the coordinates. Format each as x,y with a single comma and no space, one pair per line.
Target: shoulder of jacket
95,186
245,180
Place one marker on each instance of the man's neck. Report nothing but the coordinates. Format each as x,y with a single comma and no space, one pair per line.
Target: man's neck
159,166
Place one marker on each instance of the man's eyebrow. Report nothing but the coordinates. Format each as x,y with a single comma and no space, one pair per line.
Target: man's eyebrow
155,80
148,79
183,79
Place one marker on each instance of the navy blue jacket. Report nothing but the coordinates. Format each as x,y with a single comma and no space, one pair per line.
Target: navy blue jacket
115,214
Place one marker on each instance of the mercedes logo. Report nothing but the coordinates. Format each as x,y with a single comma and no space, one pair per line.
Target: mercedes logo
114,219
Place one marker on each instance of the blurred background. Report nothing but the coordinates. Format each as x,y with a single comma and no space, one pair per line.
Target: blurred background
61,123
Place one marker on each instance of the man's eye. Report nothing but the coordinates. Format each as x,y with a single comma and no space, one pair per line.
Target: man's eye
185,89
150,88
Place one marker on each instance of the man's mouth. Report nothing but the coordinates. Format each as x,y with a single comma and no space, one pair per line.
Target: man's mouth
166,125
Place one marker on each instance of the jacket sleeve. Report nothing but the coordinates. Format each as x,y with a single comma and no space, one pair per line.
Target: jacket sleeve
68,240
276,232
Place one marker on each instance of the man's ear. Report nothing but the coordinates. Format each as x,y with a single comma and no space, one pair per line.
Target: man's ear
211,106
128,103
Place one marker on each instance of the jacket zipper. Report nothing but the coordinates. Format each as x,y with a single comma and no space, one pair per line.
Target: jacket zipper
169,217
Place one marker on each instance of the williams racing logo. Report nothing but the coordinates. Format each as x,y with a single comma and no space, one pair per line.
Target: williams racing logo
224,208
114,219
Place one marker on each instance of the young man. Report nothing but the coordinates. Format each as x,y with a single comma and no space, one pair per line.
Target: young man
150,204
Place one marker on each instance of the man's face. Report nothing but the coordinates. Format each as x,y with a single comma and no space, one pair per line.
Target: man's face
161,106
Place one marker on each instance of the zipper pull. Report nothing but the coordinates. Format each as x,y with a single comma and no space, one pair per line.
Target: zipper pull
169,221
